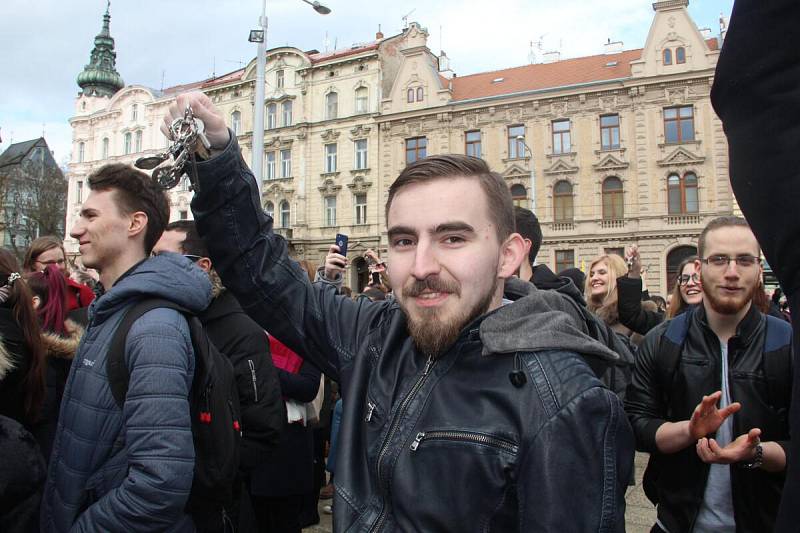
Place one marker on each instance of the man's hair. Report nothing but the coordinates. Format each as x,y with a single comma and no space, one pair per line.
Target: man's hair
135,191
717,223
461,166
192,244
38,247
528,226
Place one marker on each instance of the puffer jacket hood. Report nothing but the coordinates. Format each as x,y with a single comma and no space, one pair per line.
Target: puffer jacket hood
537,321
60,347
167,275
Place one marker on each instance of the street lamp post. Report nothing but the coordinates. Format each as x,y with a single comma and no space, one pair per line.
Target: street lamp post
260,36
533,174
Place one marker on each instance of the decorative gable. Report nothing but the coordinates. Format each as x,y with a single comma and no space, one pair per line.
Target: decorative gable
515,170
329,188
681,156
360,131
561,167
329,135
359,185
610,162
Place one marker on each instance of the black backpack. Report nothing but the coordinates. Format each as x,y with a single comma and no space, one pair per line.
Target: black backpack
214,408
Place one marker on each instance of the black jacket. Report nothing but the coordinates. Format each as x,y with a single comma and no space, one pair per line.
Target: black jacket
22,475
681,477
629,304
756,93
432,444
15,360
246,345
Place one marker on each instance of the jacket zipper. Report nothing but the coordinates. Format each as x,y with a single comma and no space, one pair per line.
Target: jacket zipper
253,377
393,428
464,436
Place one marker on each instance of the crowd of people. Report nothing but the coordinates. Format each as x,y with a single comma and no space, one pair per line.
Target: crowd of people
193,376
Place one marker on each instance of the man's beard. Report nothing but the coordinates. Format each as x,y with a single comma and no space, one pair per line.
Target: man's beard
431,335
729,306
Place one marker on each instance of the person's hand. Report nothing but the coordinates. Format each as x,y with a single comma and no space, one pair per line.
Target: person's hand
202,108
335,263
742,449
634,262
374,262
707,418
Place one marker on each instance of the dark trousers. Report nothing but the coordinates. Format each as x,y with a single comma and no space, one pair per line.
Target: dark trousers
277,515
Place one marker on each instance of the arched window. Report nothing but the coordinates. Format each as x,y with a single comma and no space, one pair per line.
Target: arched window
667,56
105,148
682,194
519,195
286,111
81,150
270,209
613,199
680,55
674,258
285,223
127,142
362,100
332,105
419,94
236,122
137,147
563,202
410,95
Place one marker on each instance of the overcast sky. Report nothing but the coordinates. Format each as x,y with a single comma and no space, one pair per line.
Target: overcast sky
45,44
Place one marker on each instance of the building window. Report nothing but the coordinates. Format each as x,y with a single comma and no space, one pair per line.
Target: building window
127,140
279,79
272,119
330,157
362,100
667,56
682,194
613,199
565,259
285,214
135,112
361,208
615,251
185,183
361,154
138,142
609,132
236,122
184,215
563,202
286,163
410,95
332,105
679,124
270,209
105,147
516,146
286,111
270,173
81,151
519,195
330,210
472,141
680,55
79,192
416,149
561,137
420,94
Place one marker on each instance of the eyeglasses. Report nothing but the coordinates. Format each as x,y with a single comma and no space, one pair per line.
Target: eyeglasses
193,258
685,278
722,261
52,262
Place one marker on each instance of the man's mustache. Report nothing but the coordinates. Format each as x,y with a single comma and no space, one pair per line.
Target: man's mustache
431,284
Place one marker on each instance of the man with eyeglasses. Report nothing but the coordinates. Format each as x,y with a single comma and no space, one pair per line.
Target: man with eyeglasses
710,395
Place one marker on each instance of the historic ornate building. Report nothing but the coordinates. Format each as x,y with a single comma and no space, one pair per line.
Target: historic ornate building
615,149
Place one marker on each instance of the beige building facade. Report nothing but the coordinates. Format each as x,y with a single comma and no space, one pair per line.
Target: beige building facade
615,149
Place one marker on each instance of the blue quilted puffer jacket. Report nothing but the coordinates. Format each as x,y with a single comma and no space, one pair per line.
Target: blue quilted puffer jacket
129,469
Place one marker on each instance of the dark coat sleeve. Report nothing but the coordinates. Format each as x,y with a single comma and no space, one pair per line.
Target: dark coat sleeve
303,386
629,304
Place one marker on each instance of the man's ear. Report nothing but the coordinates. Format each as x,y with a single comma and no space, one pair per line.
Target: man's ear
204,263
512,252
138,224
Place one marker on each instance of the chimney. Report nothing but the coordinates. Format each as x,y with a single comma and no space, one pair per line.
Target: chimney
612,47
379,35
706,33
551,57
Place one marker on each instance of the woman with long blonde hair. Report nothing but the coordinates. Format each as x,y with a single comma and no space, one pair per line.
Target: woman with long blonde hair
601,290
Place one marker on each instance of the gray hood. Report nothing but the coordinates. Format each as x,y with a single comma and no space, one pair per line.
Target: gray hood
169,276
541,320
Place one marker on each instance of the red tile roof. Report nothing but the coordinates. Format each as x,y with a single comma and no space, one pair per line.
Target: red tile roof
337,54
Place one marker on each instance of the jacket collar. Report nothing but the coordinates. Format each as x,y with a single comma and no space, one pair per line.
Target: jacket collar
746,329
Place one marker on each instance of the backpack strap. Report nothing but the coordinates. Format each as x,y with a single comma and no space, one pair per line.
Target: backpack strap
116,369
669,355
778,361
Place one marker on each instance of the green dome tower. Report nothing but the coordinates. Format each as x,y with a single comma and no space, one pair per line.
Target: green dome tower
100,76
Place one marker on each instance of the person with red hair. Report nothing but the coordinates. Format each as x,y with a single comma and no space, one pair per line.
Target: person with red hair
49,250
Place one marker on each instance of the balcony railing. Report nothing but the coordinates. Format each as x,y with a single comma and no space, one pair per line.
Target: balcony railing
286,233
563,226
612,223
680,220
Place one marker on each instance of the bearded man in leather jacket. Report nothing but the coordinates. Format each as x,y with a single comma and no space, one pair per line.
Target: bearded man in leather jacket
460,413
704,403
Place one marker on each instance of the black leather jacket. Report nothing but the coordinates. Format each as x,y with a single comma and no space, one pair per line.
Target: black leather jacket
446,444
680,478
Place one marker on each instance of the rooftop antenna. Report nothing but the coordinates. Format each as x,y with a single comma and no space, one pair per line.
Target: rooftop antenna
44,131
405,18
327,42
237,61
440,38
163,75
531,55
213,66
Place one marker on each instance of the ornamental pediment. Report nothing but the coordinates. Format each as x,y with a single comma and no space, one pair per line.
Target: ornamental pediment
561,167
360,131
329,188
610,162
277,142
275,190
329,135
681,156
515,170
359,185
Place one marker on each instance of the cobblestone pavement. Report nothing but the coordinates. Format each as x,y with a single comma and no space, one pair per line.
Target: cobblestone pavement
639,515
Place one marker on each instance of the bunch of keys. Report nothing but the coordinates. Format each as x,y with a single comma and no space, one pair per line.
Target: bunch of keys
188,141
